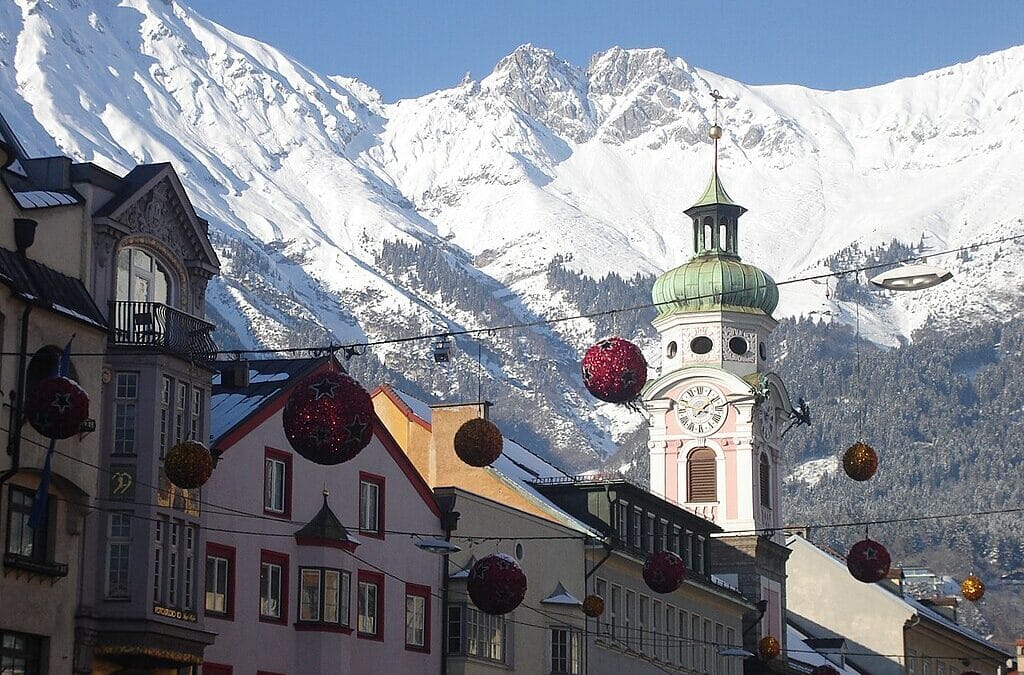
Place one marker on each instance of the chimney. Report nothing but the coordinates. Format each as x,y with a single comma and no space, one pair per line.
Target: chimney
445,420
235,375
1020,655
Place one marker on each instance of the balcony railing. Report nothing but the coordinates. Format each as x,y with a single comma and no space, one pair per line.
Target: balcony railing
154,324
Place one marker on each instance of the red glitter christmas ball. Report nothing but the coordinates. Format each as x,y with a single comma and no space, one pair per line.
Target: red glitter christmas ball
868,561
614,370
56,407
824,670
188,465
328,418
478,442
769,647
664,571
593,606
496,584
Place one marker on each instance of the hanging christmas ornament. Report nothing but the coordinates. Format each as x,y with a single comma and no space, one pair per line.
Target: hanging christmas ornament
972,588
868,561
768,648
496,584
614,370
188,465
860,461
478,442
824,670
328,418
56,407
664,571
593,606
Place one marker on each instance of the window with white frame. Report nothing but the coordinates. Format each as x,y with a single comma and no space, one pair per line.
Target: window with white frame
20,653
187,591
166,387
371,504
709,652
719,639
371,590
324,596
622,521
172,565
614,609
643,639
682,632
629,625
695,640
195,414
158,562
417,617
126,391
601,589
219,561
634,534
565,650
485,635
671,653
649,534
118,554
275,483
181,401
656,638
271,589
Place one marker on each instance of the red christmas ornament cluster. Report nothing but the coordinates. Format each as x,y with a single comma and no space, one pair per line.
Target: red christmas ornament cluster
614,370
860,461
328,418
868,561
188,465
478,442
769,648
824,670
496,584
593,606
664,571
56,407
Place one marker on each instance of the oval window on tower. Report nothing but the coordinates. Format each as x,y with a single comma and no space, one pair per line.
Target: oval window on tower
701,345
670,351
738,345
762,349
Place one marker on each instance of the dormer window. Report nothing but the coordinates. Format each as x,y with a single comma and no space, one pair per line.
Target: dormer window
141,277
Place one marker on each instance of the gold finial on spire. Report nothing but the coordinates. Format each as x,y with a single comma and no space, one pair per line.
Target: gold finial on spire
716,131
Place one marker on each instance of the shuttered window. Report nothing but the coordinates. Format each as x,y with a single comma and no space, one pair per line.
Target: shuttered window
701,476
766,483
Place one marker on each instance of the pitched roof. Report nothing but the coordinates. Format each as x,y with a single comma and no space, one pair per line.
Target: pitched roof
325,528
45,287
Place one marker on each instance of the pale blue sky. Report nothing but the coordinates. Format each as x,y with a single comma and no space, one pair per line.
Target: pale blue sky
409,47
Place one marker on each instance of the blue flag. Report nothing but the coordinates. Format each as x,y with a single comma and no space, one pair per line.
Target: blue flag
37,519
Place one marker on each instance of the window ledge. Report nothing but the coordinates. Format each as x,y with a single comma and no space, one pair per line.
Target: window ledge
376,637
270,619
316,626
425,649
54,570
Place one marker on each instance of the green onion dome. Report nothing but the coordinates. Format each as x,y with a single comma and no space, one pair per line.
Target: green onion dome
712,283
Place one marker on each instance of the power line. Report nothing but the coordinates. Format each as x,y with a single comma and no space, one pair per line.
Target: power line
326,349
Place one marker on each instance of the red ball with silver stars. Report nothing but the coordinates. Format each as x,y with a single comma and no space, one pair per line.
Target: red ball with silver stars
328,418
664,571
496,584
614,370
868,561
824,670
56,407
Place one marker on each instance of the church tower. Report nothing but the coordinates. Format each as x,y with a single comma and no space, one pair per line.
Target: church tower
715,411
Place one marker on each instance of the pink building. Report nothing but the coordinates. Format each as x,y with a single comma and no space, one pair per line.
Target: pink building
303,571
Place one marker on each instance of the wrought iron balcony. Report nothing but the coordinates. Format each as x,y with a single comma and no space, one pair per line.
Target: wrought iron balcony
154,324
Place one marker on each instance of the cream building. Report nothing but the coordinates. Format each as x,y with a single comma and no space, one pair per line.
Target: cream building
885,633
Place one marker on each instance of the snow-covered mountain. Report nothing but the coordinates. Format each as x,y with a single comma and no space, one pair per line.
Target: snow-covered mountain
308,178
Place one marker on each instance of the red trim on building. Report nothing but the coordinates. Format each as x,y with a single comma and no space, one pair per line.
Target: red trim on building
403,462
277,402
313,627
376,578
217,669
281,559
286,458
365,477
228,553
420,591
329,543
401,405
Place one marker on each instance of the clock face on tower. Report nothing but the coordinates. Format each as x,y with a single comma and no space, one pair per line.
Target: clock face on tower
702,409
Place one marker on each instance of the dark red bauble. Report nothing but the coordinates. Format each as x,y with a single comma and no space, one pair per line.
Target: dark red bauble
188,465
614,370
56,407
824,670
328,418
593,606
478,442
664,571
868,561
496,584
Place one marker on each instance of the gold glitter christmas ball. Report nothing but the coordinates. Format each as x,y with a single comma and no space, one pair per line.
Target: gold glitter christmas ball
972,588
860,461
593,606
769,648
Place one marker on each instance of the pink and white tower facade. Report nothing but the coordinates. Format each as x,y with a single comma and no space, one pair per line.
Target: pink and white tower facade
715,411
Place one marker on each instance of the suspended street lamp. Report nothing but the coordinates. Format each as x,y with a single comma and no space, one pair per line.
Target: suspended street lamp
911,277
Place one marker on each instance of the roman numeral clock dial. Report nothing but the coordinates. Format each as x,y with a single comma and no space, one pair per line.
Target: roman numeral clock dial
702,409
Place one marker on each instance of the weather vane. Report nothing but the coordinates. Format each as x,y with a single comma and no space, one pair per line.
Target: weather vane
716,131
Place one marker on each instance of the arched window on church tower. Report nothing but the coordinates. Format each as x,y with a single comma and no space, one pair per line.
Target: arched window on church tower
766,482
701,476
709,234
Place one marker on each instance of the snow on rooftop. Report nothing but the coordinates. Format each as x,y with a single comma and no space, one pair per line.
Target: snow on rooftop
418,407
36,199
560,596
797,649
